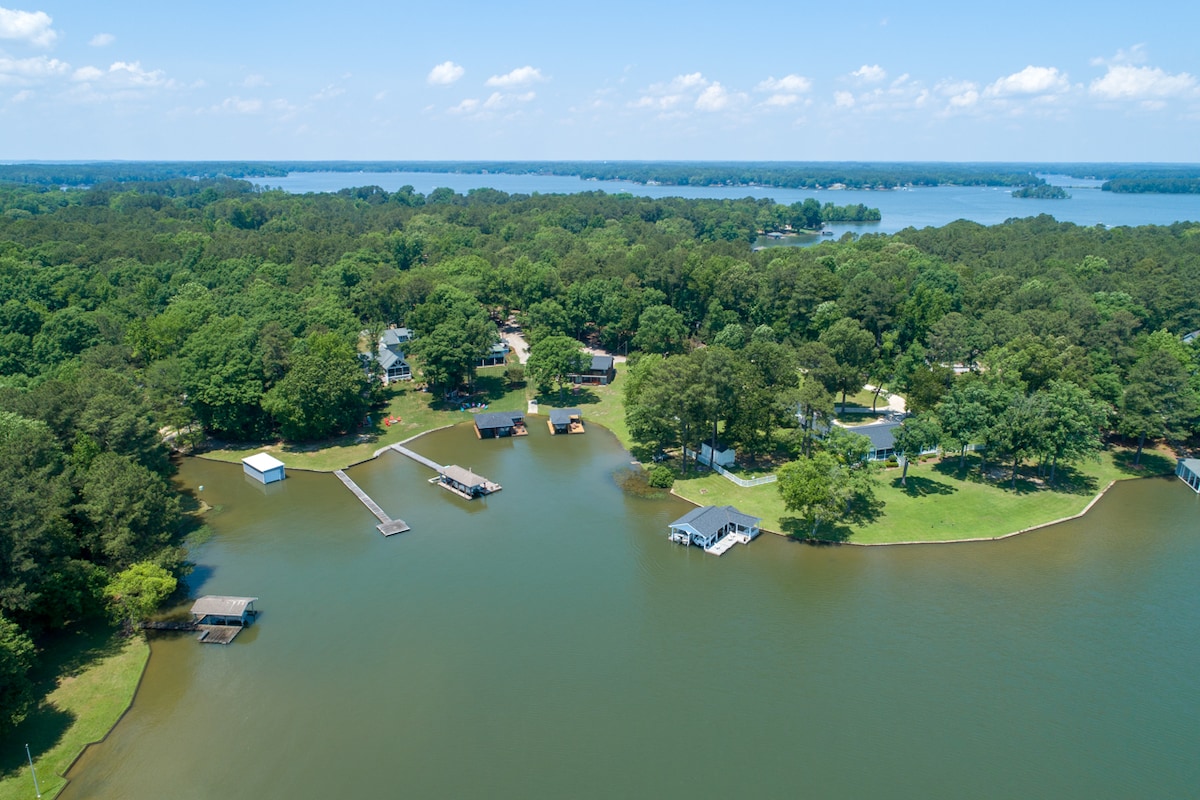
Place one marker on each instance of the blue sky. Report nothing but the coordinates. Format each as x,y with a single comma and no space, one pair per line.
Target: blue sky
258,79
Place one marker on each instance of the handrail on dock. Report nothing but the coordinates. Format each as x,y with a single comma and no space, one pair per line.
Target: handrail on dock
387,526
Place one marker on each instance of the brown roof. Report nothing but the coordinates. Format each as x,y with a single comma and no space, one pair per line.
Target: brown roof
463,476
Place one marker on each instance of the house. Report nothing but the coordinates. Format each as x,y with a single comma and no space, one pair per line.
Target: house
722,455
707,526
883,438
495,424
390,355
600,371
565,420
1188,338
263,467
217,609
1188,470
496,356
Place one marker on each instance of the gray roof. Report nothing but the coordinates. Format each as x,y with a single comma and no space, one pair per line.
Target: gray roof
708,520
562,416
1188,338
881,434
389,357
221,605
601,363
498,419
395,336
1192,464
463,476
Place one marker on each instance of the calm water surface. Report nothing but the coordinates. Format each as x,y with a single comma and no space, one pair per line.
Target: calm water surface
918,208
549,642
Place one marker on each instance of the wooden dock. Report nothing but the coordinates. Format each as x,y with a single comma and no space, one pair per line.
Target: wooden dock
420,459
217,634
387,526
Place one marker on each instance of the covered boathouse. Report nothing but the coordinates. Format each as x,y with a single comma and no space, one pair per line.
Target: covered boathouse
565,420
495,424
714,528
263,467
220,618
465,483
1188,470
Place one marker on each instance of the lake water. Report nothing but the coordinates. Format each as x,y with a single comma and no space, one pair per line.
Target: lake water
550,642
902,208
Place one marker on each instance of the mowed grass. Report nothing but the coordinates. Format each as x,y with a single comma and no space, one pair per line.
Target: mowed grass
940,503
87,680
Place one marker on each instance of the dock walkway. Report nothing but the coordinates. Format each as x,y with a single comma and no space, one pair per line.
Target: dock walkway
722,545
420,459
387,526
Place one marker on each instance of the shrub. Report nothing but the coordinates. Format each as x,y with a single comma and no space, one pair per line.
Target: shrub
661,476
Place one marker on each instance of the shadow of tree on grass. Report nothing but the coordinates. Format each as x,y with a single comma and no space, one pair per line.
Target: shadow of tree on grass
826,534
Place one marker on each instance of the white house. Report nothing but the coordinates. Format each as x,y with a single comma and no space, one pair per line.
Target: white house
263,467
722,455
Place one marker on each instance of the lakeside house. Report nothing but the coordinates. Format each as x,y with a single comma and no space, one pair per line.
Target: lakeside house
1188,470
390,355
883,437
263,467
497,424
565,420
600,371
714,528
496,356
219,609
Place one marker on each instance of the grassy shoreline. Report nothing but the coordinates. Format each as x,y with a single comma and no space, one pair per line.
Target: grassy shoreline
88,680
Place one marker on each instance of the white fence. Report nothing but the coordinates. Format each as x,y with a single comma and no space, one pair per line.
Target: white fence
745,483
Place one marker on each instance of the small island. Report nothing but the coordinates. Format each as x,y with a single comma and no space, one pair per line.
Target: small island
1042,191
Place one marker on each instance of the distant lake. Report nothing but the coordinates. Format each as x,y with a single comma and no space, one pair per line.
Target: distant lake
901,208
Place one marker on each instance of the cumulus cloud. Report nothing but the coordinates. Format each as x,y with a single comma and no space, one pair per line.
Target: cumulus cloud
843,100
102,40
1031,80
788,84
870,73
28,70
713,98
27,26
445,74
521,76
499,100
1127,82
467,106
254,81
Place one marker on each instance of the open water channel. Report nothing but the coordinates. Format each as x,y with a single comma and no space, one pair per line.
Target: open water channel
550,642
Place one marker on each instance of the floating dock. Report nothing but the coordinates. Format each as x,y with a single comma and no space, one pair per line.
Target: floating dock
387,526
420,459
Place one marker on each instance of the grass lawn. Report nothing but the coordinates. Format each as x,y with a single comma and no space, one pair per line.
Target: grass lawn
86,681
418,412
939,504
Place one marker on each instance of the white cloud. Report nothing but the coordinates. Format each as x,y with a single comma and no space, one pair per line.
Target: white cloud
499,100
238,105
21,96
26,70
29,26
131,74
445,74
788,84
329,92
1126,82
467,106
965,99
872,73
520,76
693,80
843,100
102,40
254,81
781,100
88,74
1134,55
713,98
1031,80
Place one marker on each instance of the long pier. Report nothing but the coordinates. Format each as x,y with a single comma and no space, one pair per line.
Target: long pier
387,526
420,459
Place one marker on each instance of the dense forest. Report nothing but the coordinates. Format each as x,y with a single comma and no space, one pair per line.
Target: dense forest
136,312
1042,192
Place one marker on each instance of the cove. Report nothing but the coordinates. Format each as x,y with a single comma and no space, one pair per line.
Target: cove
550,642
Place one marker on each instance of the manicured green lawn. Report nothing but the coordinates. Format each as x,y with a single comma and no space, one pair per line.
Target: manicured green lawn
940,504
89,680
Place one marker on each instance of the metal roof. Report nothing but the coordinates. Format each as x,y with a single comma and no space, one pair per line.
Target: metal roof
221,605
1192,464
463,476
498,419
881,434
708,520
389,357
263,462
395,336
601,363
562,416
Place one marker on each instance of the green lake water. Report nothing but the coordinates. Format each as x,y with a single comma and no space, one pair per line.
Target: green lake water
549,642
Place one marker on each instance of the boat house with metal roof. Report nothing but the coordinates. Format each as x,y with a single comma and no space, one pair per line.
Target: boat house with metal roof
565,420
714,528
1188,470
494,424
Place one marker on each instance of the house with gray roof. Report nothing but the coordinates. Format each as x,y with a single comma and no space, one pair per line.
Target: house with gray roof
565,420
496,356
707,526
390,355
1188,470
600,370
496,424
